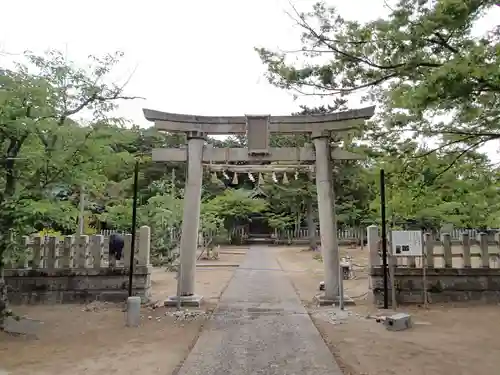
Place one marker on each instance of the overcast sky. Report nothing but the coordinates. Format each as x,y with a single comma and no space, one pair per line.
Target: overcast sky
188,56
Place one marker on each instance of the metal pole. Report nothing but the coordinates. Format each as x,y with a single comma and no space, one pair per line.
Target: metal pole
424,270
134,225
341,287
178,304
384,238
392,272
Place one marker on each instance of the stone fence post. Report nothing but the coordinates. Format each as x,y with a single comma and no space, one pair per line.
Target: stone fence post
127,248
80,251
372,236
51,253
465,241
429,249
483,246
448,256
143,256
38,243
142,249
97,250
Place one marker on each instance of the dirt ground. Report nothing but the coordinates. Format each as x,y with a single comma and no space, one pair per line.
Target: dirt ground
451,339
75,341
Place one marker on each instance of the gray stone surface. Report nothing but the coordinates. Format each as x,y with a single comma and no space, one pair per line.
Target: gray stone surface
191,301
260,327
324,301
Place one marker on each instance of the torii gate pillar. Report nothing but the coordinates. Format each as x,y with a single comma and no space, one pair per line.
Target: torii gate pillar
327,219
191,218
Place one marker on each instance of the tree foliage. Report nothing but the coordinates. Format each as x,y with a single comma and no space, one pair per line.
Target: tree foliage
423,64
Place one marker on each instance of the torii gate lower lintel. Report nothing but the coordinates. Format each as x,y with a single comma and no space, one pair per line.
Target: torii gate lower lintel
257,129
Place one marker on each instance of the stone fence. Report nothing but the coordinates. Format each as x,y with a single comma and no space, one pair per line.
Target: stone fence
463,270
345,236
78,269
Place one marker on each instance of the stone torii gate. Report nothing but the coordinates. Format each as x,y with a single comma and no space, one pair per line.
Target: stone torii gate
257,129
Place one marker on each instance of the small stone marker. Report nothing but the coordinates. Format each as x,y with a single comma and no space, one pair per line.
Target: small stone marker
23,326
133,315
398,322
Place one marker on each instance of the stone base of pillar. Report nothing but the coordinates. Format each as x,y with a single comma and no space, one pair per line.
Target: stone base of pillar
188,301
323,301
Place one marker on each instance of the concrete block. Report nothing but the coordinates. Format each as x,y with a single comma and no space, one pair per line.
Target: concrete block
398,322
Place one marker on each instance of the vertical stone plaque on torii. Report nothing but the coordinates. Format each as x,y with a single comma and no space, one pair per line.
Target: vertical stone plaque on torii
258,134
258,129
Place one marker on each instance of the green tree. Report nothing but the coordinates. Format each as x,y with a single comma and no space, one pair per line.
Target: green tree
426,189
43,151
422,64
233,205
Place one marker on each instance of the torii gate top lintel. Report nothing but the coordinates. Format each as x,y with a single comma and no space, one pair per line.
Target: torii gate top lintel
337,121
257,129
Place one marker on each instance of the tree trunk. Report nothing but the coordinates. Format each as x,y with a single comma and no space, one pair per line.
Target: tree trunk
11,155
311,225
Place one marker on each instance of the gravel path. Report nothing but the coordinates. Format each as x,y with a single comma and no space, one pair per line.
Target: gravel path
260,327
